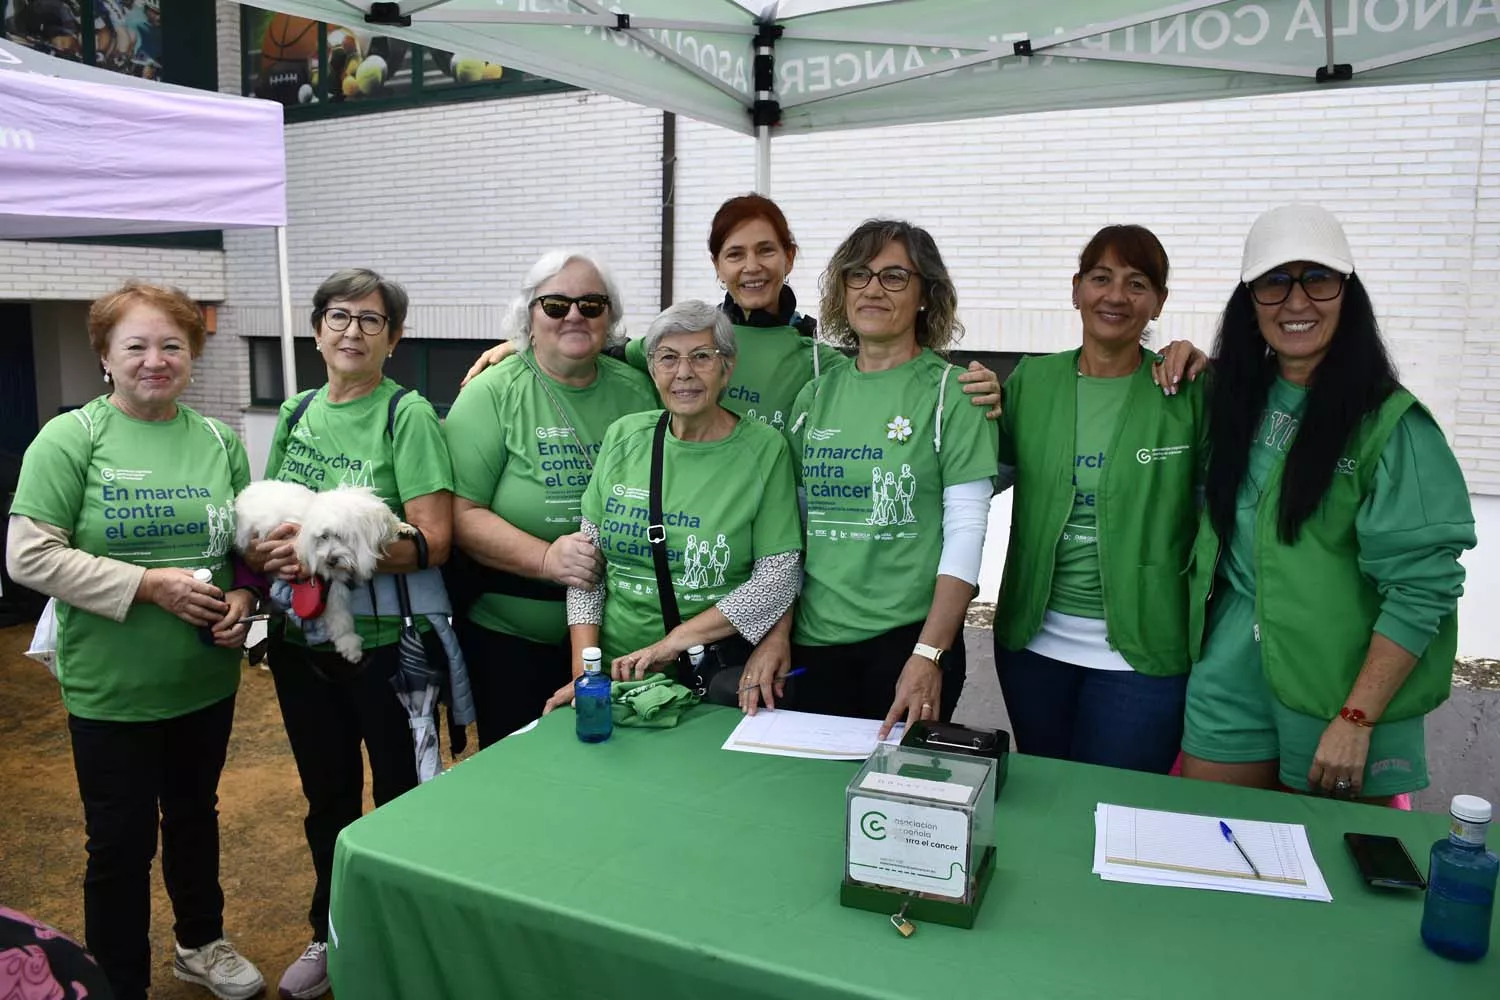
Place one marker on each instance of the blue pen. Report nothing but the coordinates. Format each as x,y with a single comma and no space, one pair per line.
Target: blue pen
789,673
1229,836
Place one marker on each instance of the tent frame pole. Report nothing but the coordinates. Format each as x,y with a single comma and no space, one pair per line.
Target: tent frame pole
763,160
288,344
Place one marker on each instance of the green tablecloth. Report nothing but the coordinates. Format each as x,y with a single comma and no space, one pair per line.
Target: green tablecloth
657,865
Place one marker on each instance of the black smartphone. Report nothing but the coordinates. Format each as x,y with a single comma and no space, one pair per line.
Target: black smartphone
956,738
1383,861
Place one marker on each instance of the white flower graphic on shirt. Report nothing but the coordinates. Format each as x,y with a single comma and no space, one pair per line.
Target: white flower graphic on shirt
898,430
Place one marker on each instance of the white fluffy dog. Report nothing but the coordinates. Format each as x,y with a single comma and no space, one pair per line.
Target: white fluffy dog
342,535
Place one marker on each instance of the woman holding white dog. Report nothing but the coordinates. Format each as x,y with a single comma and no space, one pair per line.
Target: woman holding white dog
524,438
359,429
133,480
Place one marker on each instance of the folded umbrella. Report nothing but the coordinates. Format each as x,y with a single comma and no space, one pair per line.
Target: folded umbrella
417,683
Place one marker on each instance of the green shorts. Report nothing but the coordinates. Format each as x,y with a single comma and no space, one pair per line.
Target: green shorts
1233,717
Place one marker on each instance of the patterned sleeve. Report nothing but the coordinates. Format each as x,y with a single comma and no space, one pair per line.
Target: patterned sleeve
586,607
758,603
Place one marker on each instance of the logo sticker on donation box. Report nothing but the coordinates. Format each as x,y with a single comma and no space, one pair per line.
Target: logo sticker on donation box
919,834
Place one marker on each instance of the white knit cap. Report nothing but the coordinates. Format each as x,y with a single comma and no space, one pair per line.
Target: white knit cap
1295,232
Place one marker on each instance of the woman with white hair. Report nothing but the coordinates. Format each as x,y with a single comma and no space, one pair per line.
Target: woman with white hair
722,482
524,439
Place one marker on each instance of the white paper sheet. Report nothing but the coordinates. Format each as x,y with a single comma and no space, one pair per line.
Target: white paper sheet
1163,848
783,733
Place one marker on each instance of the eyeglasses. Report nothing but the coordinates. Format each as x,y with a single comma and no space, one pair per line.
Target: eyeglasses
892,279
1275,287
338,320
702,360
557,306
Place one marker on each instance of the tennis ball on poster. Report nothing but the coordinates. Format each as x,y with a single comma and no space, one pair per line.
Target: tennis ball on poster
350,86
468,70
305,94
492,71
370,76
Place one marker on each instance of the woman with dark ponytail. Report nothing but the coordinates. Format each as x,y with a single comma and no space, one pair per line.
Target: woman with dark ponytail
1325,575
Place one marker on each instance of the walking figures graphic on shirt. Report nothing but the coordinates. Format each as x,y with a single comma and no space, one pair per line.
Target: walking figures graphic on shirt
704,563
776,419
886,490
220,529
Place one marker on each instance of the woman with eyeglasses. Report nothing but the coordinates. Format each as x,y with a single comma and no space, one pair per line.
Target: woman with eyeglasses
1325,575
733,536
1091,625
525,439
898,472
361,429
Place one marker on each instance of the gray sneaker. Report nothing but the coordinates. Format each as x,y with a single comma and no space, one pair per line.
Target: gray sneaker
308,976
220,969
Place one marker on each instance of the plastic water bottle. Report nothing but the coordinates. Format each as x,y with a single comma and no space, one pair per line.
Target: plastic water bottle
591,699
205,632
1461,885
696,656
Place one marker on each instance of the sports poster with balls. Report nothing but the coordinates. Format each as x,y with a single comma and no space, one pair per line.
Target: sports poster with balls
283,63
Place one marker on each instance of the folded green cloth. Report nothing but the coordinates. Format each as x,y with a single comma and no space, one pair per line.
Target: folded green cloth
654,701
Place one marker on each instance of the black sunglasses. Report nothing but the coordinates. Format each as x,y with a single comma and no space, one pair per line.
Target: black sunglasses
1275,287
557,306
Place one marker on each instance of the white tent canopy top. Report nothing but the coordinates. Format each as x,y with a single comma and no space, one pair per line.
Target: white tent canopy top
824,64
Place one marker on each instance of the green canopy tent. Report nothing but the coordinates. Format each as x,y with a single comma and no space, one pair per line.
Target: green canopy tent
806,65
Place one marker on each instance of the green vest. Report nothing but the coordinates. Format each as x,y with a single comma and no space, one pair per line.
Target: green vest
1315,611
1145,508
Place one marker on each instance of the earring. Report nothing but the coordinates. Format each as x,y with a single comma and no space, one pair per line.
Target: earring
192,379
723,286
106,378
391,355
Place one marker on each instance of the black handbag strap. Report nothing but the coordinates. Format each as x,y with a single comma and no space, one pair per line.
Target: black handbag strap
656,531
656,534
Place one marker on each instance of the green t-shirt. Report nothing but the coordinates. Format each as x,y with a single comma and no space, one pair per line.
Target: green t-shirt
725,504
513,454
1278,429
1076,586
152,493
772,366
874,479
345,444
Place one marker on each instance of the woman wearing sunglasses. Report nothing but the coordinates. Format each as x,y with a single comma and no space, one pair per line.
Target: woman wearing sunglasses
1325,575
898,474
362,429
525,438
733,536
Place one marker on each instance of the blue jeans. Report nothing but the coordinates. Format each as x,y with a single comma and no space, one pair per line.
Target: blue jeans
1116,718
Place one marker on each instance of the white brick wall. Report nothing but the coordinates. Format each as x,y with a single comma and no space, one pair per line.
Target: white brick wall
1413,172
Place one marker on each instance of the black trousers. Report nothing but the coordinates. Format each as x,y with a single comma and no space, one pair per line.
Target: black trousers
511,677
127,771
326,721
858,679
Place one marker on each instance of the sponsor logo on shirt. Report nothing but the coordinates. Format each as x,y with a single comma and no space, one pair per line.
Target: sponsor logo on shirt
123,475
1148,455
629,492
822,433
552,432
1346,466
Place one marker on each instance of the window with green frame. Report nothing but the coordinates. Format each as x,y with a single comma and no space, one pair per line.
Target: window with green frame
432,367
318,70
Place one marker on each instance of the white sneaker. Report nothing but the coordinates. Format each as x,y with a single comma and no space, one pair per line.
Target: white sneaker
220,969
307,977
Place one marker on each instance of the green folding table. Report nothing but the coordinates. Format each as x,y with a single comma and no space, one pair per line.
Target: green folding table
658,865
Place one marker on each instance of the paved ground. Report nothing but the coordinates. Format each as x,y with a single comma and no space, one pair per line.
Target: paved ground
1463,735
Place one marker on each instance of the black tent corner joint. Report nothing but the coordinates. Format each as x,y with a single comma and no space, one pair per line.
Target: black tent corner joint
388,15
1339,72
1022,48
766,111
